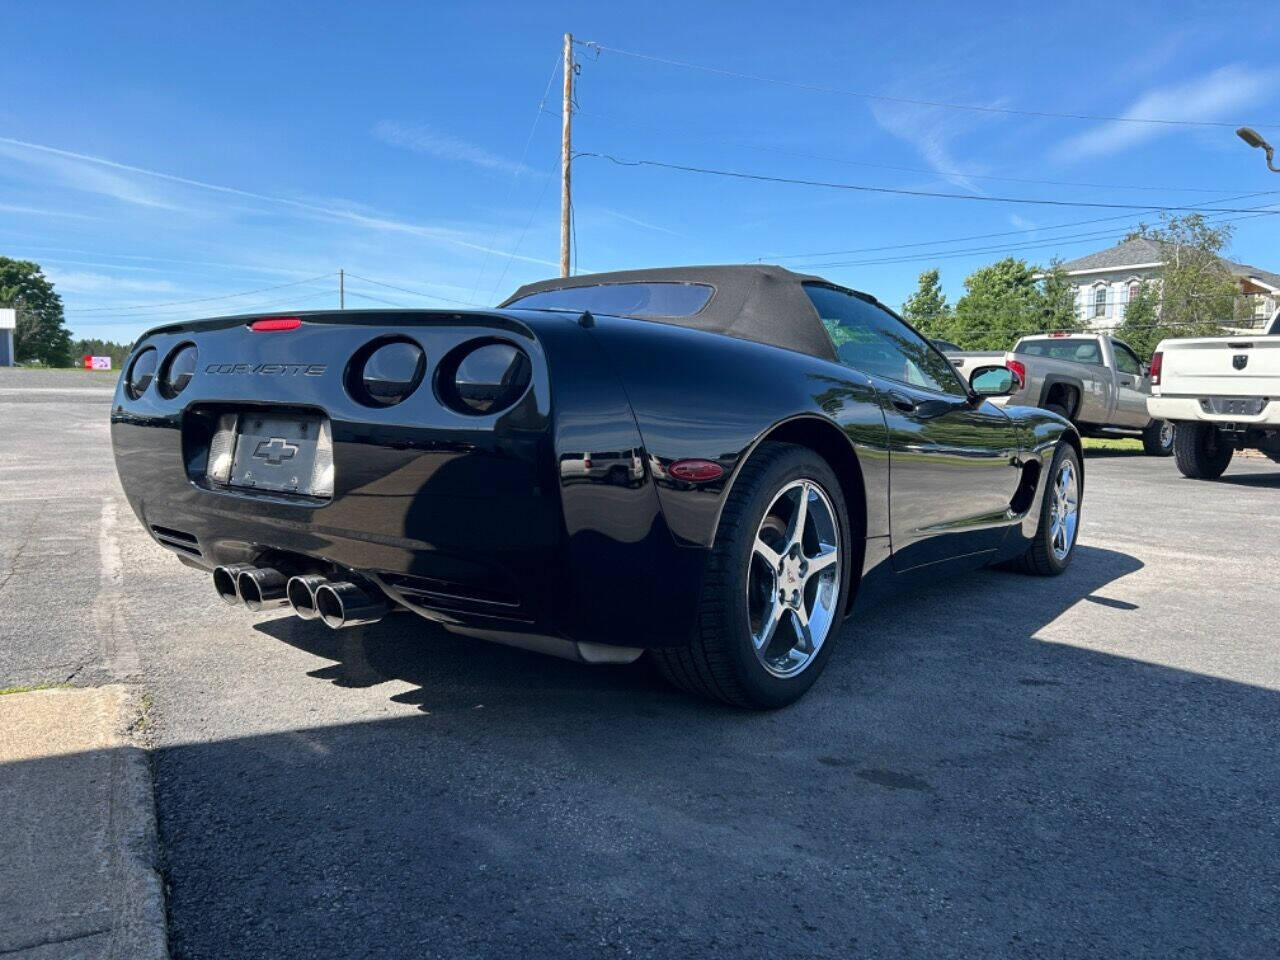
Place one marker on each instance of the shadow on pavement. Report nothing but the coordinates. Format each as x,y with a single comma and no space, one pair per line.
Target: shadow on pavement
1107,453
1252,479
951,787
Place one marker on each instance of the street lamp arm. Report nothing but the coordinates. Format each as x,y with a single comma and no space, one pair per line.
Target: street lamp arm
1254,139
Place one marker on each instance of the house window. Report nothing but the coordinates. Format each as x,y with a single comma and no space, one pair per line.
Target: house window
1134,289
1100,301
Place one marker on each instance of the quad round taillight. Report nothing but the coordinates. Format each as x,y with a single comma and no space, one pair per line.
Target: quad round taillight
141,372
484,377
386,371
179,367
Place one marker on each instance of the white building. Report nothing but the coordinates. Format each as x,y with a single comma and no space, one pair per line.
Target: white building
8,320
1105,281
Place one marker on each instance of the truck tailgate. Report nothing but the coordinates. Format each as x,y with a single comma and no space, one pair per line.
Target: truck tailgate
1214,366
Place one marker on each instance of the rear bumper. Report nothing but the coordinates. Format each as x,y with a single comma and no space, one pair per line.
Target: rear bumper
462,519
1190,408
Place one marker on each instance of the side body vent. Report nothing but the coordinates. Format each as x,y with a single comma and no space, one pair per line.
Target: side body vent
176,540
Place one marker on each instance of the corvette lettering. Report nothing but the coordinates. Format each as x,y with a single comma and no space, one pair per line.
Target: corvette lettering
269,369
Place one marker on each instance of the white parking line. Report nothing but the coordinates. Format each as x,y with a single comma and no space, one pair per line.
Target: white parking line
115,640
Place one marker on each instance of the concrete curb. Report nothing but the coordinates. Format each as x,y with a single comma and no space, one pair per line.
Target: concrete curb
142,931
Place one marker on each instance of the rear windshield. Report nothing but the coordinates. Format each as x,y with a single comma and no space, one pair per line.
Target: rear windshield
623,299
1081,351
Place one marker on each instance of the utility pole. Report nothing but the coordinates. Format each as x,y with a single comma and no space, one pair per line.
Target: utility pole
342,289
566,112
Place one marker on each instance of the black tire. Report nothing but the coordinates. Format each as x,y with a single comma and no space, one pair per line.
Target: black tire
1157,441
1059,409
720,661
1198,451
1040,558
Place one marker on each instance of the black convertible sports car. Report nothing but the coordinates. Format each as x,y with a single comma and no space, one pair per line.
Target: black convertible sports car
711,463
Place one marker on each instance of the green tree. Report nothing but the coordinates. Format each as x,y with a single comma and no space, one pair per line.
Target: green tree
1141,327
100,348
927,309
1001,302
1194,294
41,334
1057,300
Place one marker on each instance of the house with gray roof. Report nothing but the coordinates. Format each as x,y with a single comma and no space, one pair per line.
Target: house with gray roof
1105,281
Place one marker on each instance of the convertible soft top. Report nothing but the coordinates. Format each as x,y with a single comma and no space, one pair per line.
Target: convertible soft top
757,302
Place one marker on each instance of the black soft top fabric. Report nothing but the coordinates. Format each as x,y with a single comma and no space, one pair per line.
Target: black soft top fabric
762,303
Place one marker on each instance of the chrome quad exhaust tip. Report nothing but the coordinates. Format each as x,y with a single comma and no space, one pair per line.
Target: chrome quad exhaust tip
226,582
345,604
262,588
301,592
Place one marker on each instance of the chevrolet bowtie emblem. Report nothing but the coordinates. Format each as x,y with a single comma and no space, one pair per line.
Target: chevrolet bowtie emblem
275,451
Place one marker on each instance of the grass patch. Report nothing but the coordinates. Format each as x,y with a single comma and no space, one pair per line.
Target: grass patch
1132,444
4,691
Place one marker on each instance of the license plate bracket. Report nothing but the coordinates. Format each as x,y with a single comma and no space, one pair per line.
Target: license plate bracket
283,453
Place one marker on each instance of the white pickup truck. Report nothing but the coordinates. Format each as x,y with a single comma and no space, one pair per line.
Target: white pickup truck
1222,394
1095,381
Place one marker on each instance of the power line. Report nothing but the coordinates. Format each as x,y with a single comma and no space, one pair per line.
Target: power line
165,319
934,194
416,293
913,101
365,296
983,236
998,248
537,205
745,145
175,303
493,238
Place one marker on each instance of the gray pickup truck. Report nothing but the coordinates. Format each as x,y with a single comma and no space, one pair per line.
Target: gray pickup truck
1095,381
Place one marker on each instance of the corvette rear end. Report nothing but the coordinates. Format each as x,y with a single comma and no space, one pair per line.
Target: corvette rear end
351,463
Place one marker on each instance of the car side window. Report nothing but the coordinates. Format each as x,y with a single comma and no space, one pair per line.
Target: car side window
873,341
1126,360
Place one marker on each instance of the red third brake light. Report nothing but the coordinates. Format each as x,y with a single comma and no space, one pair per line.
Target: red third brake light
275,323
1019,370
1157,361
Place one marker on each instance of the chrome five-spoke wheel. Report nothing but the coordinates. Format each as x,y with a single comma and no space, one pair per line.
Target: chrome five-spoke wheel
793,584
1064,512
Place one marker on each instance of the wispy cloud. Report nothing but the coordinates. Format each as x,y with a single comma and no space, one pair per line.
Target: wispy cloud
39,212
933,131
433,143
99,283
121,181
636,221
1210,97
69,170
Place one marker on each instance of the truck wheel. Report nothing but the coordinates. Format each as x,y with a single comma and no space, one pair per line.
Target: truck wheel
775,587
1157,438
1059,409
1054,544
1199,451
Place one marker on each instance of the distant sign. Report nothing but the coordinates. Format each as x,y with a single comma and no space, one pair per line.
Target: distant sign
97,363
8,318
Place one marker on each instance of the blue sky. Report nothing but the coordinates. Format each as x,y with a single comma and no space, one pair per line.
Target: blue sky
154,153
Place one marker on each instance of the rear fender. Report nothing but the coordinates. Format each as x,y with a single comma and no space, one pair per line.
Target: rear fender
704,396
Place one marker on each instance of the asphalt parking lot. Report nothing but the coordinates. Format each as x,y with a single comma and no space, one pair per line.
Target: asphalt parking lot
994,766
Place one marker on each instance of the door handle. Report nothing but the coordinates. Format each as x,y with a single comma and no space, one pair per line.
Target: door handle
902,402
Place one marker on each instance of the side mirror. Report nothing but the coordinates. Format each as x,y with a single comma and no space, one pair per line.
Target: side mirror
993,381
